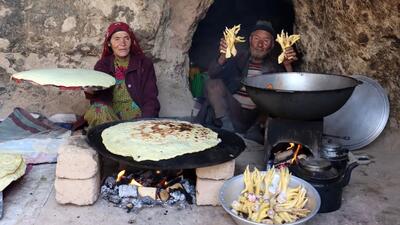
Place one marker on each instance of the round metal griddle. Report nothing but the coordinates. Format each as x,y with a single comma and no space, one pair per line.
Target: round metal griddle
230,147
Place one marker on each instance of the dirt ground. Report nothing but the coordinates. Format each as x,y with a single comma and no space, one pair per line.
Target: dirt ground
372,196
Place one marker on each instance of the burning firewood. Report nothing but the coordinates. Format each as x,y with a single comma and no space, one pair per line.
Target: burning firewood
283,155
147,188
148,191
163,195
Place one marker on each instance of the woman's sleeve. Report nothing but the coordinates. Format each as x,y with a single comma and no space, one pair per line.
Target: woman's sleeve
100,95
150,105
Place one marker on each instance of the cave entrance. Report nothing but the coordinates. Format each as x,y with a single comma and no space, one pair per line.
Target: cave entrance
227,13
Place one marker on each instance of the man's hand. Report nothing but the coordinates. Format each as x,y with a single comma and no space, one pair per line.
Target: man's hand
290,57
222,51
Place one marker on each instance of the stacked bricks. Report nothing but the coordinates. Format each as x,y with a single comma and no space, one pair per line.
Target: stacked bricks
210,180
77,173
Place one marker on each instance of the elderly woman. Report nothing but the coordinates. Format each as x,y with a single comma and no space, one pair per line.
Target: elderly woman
135,92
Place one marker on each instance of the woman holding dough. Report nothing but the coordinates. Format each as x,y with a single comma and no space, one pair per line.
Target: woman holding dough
135,92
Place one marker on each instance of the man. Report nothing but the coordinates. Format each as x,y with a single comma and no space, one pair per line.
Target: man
233,109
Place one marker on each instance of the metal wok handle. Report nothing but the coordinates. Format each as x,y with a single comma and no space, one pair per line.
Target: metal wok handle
338,137
360,159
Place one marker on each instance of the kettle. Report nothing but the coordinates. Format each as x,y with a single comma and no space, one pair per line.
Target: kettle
335,154
327,179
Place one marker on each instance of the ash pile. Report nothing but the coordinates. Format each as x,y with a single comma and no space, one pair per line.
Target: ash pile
146,189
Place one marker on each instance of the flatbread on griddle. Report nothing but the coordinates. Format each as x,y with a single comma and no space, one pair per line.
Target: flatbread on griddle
67,77
157,139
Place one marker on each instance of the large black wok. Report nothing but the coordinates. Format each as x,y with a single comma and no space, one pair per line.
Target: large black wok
230,147
300,96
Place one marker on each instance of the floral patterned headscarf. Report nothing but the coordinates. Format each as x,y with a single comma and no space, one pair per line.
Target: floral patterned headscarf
120,26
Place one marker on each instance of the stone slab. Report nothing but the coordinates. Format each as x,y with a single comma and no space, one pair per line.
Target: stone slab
76,159
207,191
221,171
77,192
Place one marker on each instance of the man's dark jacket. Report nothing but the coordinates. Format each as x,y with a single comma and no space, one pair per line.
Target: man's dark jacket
236,68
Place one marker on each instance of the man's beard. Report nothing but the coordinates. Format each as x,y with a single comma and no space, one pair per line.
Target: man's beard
257,54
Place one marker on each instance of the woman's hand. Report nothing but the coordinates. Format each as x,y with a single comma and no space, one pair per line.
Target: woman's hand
91,90
88,90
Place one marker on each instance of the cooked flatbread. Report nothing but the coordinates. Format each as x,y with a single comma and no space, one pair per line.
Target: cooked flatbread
157,139
12,167
9,163
67,77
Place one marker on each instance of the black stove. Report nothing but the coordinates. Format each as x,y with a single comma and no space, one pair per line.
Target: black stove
327,168
306,133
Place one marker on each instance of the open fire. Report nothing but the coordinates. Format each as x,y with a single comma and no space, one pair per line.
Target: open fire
147,188
285,154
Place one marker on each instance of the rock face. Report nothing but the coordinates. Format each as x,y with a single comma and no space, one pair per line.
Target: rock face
342,37
353,37
50,34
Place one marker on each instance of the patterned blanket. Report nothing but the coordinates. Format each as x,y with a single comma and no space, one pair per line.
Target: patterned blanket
33,136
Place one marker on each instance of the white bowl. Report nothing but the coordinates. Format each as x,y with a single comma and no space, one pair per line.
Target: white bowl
231,189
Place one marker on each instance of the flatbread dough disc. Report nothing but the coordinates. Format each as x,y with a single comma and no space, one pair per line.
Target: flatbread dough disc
9,163
19,170
158,139
67,77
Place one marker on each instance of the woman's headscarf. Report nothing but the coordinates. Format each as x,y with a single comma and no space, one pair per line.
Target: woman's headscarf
120,26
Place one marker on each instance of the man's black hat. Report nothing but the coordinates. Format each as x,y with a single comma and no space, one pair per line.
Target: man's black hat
264,25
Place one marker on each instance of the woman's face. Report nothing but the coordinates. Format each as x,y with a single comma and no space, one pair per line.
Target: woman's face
120,44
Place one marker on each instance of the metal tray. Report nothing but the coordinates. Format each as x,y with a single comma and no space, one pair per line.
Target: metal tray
362,118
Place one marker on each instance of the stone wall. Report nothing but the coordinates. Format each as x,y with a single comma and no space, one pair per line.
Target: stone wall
48,34
353,37
339,36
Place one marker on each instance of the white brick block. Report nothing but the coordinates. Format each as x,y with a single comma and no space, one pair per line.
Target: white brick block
221,171
76,159
207,191
78,192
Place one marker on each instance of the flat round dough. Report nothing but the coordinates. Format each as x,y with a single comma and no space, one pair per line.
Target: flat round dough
9,163
17,173
158,139
67,77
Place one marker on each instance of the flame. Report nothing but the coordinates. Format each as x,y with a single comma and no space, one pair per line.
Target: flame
291,146
135,183
158,171
295,154
119,176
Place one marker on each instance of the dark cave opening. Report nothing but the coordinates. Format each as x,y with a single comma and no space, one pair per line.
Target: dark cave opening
227,13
